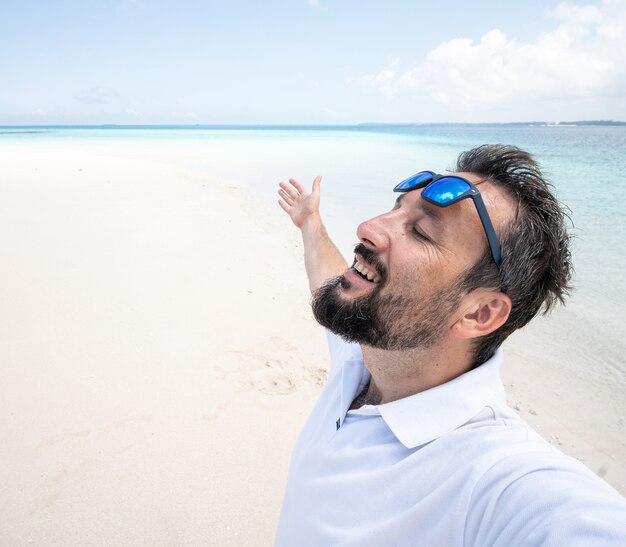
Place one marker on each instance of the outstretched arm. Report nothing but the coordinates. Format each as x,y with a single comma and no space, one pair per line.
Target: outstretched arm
322,259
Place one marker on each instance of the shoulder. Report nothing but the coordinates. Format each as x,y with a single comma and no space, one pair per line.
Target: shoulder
535,495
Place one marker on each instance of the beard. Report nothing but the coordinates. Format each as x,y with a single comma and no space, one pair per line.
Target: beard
384,321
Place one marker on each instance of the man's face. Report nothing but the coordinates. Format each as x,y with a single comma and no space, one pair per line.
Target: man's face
414,258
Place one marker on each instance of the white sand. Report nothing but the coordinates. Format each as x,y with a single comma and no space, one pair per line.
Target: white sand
159,357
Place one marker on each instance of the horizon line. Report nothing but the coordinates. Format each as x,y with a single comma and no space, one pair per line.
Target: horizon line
296,125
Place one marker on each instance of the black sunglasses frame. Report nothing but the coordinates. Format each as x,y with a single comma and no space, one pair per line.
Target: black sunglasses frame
472,192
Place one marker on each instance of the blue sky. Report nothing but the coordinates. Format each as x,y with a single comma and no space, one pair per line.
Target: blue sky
311,61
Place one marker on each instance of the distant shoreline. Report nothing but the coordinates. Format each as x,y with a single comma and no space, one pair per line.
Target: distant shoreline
525,124
308,127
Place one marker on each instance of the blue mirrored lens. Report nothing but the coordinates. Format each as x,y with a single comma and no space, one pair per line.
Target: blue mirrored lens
445,190
416,181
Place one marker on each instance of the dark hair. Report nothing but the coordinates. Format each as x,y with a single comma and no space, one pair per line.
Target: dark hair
536,261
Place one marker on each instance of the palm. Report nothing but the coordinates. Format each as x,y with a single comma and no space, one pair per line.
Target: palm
298,202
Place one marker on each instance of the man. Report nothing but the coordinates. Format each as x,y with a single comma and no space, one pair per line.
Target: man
411,441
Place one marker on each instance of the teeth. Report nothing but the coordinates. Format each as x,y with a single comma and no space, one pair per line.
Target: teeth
366,273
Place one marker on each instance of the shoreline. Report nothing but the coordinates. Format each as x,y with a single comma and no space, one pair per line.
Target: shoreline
160,356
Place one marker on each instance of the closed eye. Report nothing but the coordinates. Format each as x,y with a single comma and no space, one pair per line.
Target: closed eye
417,233
420,235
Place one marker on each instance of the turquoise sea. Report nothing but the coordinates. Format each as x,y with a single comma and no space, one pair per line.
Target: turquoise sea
361,164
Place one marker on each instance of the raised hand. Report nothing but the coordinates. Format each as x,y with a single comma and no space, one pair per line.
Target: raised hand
322,259
298,202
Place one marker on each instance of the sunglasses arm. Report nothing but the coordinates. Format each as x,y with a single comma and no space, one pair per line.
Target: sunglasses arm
494,244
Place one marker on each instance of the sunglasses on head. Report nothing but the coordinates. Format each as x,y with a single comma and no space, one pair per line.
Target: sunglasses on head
445,190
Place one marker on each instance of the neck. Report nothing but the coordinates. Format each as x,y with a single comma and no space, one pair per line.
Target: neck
399,374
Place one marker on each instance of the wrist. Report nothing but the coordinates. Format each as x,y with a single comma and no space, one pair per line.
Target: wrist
311,222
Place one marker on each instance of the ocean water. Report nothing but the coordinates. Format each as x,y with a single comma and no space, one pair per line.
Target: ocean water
361,164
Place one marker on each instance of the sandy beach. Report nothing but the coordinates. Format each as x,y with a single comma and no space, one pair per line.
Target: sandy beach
159,356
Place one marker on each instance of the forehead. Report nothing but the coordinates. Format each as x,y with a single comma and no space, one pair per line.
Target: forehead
499,204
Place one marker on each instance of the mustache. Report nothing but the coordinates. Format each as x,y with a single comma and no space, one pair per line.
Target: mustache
372,257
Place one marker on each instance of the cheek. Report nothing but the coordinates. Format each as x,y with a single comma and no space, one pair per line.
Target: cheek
466,255
427,271
425,259
414,276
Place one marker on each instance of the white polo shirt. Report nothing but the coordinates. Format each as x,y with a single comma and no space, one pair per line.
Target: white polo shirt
449,466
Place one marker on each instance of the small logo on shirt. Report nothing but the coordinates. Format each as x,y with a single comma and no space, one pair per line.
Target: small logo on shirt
338,423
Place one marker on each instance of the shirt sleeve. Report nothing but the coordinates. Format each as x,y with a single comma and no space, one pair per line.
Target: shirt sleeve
341,351
553,504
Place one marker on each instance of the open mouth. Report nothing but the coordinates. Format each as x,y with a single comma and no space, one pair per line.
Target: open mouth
365,271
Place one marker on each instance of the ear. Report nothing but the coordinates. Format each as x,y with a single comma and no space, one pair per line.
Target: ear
482,313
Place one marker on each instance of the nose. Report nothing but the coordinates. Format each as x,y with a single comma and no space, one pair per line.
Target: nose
377,232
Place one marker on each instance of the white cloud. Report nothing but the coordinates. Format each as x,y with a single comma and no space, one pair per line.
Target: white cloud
386,81
582,59
313,3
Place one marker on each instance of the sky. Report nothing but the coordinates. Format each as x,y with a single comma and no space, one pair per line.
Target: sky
311,61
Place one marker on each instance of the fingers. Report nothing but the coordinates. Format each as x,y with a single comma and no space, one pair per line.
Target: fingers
294,191
286,196
316,184
289,191
284,206
298,186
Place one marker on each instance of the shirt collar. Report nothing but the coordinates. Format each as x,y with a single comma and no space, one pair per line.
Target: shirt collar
427,415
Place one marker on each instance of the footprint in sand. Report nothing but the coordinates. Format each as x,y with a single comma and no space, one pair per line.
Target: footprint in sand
268,372
271,376
315,376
